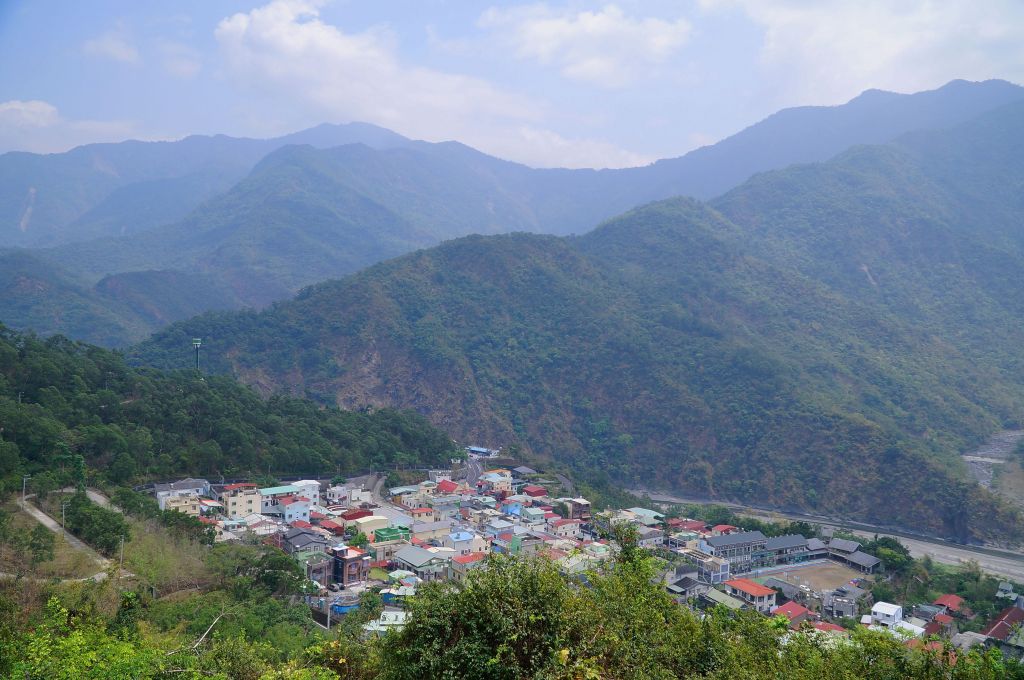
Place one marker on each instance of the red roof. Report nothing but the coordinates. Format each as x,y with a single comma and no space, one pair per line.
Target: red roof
792,610
301,524
317,515
549,514
534,490
288,500
563,522
239,485
355,513
331,525
1004,624
950,602
447,486
943,618
828,627
421,511
723,528
470,558
749,587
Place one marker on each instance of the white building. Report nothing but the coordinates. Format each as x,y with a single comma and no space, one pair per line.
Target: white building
886,614
310,488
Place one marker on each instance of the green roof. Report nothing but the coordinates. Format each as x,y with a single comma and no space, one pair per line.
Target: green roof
275,490
718,597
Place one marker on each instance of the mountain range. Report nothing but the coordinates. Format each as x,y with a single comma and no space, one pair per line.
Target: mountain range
138,235
827,337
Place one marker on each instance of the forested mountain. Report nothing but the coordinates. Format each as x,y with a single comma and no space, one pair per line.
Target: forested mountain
67,406
821,337
305,214
117,189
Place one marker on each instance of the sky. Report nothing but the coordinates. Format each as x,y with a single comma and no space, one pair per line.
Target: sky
574,84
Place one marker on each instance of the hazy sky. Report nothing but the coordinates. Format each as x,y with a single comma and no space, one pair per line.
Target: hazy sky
570,83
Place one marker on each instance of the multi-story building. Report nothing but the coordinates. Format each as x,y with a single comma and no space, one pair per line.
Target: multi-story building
460,565
186,504
242,502
387,541
759,597
745,551
308,488
710,569
566,528
182,487
351,565
465,542
650,537
787,549
293,509
270,497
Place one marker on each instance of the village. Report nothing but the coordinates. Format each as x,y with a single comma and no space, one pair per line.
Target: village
360,536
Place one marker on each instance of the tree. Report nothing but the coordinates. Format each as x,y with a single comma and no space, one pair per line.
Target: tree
359,540
40,544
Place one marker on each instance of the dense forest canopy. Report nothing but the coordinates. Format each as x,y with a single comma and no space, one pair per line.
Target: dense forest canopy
68,407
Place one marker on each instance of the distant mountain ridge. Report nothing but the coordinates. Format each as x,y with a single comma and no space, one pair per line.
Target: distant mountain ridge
90,191
304,213
820,337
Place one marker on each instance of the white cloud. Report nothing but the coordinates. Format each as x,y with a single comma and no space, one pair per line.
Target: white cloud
287,50
604,47
115,44
180,61
38,126
829,50
27,114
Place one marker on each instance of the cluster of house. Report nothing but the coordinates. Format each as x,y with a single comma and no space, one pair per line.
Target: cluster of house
442,529
719,552
439,529
721,563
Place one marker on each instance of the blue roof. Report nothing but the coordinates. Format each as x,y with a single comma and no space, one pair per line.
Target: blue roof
461,536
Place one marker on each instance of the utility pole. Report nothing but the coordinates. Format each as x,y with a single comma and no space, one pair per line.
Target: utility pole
24,487
197,343
121,568
63,505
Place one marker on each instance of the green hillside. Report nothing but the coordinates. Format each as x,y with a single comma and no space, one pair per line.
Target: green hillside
40,295
61,400
822,338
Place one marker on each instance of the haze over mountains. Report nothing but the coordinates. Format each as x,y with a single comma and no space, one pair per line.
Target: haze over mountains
248,222
821,337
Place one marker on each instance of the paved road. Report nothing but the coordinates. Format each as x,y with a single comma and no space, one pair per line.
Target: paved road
54,526
475,469
994,561
97,497
567,485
